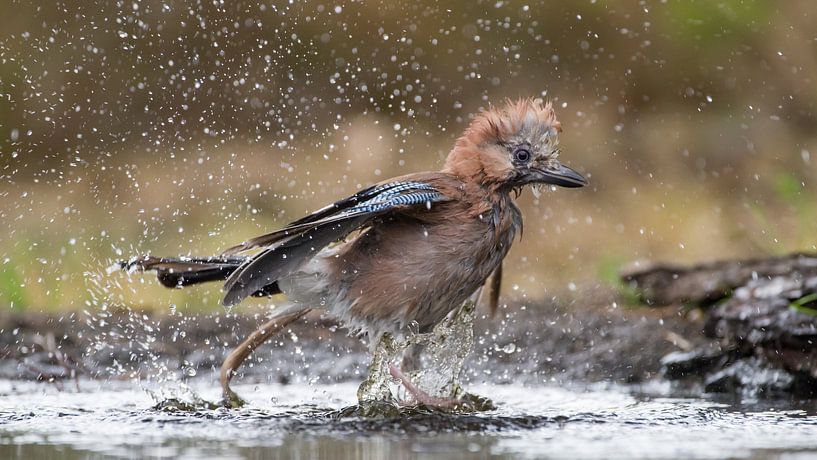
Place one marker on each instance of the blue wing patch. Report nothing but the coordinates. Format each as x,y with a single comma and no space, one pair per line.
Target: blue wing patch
398,194
370,201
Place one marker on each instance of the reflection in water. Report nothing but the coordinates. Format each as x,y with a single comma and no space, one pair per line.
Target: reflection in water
295,446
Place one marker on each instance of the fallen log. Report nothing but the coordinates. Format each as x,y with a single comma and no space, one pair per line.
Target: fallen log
663,284
761,315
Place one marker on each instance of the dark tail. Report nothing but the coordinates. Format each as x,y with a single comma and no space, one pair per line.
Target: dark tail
178,272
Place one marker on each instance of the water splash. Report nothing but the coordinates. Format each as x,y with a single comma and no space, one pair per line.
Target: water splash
180,398
444,351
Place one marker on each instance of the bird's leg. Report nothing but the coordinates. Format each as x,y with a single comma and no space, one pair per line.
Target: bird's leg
420,396
241,352
446,355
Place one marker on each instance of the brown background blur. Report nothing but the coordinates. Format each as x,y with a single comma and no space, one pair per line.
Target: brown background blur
185,127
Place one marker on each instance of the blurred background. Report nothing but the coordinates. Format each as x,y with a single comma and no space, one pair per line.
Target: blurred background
173,127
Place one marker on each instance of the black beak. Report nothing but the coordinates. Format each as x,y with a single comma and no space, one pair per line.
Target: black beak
561,176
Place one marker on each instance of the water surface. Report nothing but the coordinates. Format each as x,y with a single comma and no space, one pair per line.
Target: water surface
119,420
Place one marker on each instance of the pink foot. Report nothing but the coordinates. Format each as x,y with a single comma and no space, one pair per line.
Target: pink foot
420,396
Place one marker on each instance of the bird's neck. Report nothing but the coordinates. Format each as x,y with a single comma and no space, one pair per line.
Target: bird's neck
467,162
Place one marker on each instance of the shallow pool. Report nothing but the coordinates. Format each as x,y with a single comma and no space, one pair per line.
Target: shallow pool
118,420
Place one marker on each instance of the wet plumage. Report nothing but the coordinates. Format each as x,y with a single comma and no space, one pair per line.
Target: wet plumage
407,250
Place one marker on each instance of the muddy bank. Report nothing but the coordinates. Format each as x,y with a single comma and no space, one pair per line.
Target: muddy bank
534,343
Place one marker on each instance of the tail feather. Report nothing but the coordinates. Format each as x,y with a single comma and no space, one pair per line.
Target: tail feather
178,272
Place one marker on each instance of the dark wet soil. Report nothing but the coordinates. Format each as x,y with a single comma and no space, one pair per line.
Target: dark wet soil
533,343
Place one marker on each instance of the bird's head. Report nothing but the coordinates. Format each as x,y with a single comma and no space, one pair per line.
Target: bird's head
512,146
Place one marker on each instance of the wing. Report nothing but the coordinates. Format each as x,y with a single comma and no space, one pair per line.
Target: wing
361,201
286,249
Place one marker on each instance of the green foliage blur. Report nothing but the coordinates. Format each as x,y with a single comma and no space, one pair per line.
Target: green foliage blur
129,127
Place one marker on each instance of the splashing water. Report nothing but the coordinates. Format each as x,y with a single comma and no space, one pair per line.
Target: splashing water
444,350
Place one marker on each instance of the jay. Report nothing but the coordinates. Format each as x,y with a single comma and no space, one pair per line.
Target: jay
405,251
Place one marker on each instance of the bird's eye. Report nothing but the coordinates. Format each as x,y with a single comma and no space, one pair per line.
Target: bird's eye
522,155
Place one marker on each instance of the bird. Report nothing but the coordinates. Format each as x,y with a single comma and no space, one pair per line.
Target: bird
404,252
